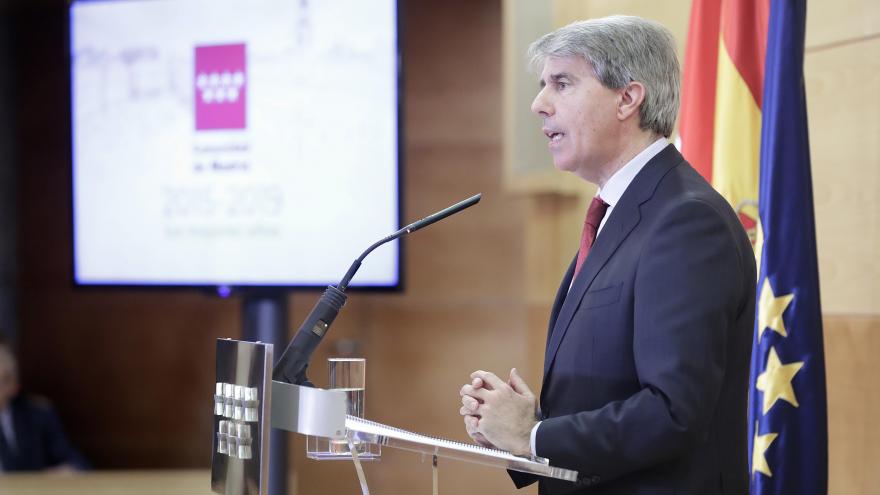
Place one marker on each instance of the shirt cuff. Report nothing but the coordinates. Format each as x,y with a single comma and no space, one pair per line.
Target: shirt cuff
532,439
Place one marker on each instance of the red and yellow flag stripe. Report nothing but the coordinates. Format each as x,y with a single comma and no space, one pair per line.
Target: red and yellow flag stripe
723,84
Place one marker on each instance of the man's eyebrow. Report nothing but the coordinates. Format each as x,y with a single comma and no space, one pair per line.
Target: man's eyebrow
556,77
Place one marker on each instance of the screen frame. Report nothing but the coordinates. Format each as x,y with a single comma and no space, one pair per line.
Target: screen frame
226,290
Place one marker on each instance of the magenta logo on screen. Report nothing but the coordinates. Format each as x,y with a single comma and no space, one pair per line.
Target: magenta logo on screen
221,87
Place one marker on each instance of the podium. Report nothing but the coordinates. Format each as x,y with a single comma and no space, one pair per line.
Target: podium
247,403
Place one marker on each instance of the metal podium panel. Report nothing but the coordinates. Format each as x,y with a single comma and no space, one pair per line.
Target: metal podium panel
242,401
308,410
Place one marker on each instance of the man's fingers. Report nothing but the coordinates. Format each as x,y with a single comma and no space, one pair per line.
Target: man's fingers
518,384
470,404
465,411
471,423
477,393
490,380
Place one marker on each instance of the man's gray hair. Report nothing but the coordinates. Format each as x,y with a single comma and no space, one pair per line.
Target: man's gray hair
622,49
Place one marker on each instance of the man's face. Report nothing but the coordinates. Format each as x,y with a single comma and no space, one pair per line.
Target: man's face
580,117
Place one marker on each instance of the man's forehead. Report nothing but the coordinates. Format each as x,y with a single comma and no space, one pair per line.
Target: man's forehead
571,66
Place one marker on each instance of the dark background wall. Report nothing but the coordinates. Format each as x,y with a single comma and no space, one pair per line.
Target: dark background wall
8,179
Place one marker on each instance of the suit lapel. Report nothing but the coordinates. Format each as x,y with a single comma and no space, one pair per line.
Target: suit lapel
561,294
615,230
624,218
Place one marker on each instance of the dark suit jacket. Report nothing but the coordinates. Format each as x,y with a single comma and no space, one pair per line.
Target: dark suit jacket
39,437
647,361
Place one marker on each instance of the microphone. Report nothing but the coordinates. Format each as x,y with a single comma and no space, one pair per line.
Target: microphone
291,368
440,215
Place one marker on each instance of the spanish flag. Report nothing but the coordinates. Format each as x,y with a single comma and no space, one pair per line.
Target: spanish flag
744,127
722,92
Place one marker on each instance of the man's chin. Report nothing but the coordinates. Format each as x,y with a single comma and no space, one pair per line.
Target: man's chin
564,164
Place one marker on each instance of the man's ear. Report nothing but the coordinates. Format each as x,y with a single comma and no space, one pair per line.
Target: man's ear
631,98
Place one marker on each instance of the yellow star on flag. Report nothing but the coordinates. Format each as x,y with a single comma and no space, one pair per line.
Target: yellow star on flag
775,381
760,444
770,309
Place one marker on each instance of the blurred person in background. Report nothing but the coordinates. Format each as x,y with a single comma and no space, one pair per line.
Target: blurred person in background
31,436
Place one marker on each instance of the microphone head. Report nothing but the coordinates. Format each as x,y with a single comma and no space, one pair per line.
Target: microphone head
440,215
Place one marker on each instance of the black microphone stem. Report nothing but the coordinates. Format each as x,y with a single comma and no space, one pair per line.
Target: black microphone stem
291,368
436,217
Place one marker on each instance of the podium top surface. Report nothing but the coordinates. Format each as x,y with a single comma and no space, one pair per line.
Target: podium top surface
372,432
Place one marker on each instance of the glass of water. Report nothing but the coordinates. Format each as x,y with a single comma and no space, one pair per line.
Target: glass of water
347,375
350,376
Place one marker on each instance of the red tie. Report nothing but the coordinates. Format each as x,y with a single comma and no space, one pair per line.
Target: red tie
591,227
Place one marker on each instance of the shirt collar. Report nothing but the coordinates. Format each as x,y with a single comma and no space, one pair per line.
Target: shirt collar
617,184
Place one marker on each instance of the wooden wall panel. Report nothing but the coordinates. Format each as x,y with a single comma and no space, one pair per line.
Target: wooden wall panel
673,14
418,356
843,97
830,23
527,165
463,307
176,482
852,368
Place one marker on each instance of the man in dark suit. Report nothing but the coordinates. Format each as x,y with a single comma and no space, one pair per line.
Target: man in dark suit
646,366
31,436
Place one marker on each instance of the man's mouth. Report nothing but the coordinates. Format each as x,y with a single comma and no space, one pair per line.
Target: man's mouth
554,136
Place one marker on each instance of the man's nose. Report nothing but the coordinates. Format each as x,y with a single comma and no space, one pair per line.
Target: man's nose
541,106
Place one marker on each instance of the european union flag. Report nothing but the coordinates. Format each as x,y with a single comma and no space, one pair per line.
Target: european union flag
787,411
